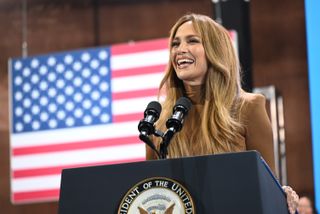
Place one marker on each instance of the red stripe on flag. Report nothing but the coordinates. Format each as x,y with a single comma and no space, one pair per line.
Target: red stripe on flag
142,46
43,195
135,94
57,170
138,71
76,145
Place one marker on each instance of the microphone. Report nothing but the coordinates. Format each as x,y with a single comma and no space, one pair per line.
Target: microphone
146,125
174,123
151,115
180,110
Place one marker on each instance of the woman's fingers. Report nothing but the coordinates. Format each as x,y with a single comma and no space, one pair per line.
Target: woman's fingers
292,199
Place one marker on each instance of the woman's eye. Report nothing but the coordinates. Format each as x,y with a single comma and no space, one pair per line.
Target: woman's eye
194,41
174,44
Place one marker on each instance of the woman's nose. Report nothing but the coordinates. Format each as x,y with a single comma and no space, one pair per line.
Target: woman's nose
183,47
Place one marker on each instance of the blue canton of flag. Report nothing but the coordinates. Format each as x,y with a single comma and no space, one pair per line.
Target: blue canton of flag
61,90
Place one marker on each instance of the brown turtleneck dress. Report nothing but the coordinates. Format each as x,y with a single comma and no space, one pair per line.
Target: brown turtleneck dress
257,132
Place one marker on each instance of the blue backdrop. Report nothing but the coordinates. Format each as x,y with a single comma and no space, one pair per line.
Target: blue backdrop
312,8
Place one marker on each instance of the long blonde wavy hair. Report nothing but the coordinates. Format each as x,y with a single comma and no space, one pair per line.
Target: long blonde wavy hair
219,126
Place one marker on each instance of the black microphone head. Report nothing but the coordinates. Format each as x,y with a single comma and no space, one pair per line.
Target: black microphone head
153,107
183,102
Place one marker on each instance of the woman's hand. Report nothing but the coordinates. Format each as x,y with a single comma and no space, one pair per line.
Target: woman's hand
292,199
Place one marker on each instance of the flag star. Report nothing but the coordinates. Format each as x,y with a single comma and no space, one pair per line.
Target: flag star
69,106
18,96
35,78
77,81
43,85
95,111
61,115
105,118
52,107
52,77
68,75
68,59
86,88
44,116
94,64
86,73
87,119
17,65
18,80
44,101
69,90
52,123
35,94
103,55
51,61
35,125
85,57
103,70
69,121
19,127
26,72
60,83
86,104
95,95
27,118
77,66
61,98
35,109
34,63
104,86
26,103
43,70
78,97
95,79
60,68
18,111
104,102
26,87
52,92
78,113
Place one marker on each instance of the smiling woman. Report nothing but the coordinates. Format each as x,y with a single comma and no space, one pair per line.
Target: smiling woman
188,56
204,67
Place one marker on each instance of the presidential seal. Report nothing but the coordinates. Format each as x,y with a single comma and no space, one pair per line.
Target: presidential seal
157,195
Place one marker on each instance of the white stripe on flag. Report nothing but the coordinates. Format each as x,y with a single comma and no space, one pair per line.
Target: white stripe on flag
138,82
104,154
36,183
42,138
136,105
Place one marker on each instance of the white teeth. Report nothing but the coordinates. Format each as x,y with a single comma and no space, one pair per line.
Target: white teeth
181,61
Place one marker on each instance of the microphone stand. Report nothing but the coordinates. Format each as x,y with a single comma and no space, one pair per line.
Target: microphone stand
165,143
166,137
144,137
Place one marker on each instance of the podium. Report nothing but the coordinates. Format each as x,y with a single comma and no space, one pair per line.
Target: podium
218,184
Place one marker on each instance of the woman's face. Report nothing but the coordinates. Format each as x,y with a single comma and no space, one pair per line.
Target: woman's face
188,56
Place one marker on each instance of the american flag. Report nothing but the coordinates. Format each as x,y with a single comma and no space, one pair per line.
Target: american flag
78,108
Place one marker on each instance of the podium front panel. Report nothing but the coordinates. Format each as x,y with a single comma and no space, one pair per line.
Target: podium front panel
218,184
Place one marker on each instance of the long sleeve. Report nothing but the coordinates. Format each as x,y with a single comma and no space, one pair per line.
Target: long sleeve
258,128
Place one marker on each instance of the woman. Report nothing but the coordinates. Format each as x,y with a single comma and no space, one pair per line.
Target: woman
204,67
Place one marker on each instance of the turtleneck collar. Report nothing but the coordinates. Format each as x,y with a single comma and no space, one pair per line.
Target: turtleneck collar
195,93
